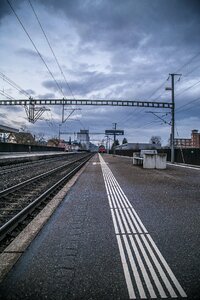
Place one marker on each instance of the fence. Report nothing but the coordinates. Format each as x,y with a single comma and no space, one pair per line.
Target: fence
10,147
188,156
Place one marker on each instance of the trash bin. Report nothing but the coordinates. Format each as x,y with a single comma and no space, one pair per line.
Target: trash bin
161,161
149,161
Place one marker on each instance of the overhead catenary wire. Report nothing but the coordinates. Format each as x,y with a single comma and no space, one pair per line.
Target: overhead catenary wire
52,51
179,109
147,124
39,54
157,89
191,71
15,85
162,84
178,70
123,121
188,88
6,95
188,62
180,147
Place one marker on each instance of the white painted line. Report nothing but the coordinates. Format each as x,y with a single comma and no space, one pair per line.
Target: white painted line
129,205
139,221
159,268
112,205
186,167
171,274
150,261
151,269
132,213
125,269
114,222
108,194
112,195
134,221
119,200
119,221
134,269
124,213
143,270
124,221
129,221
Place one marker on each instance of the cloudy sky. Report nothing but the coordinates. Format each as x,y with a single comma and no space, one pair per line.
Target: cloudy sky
106,49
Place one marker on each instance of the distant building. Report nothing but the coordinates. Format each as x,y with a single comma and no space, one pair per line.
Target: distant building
4,128
53,143
74,146
183,143
93,147
63,144
69,146
5,131
193,142
137,146
21,138
84,139
195,138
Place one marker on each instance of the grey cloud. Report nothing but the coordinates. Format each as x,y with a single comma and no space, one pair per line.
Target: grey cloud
5,8
27,52
144,40
116,23
3,115
33,55
89,82
29,91
46,96
18,123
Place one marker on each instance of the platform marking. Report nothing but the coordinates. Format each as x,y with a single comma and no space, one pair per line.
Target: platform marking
182,166
147,274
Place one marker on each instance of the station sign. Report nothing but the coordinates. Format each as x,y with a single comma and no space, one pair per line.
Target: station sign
114,132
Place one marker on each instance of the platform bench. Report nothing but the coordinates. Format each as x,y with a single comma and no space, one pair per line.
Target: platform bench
150,159
137,159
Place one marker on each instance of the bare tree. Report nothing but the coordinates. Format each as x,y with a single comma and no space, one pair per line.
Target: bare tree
124,141
155,139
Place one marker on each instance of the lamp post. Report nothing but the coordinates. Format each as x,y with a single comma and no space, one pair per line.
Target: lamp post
59,125
172,126
173,114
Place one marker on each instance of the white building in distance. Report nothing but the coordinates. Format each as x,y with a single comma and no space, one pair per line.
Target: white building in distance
84,139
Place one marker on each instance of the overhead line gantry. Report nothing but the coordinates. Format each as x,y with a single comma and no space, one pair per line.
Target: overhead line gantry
34,112
87,102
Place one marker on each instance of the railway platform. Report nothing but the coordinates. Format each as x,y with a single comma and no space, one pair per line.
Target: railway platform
121,232
29,156
4,155
13,155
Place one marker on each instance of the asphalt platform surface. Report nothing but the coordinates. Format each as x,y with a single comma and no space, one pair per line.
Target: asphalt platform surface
76,254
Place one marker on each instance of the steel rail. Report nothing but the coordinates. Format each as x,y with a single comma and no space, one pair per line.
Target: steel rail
6,168
18,218
21,184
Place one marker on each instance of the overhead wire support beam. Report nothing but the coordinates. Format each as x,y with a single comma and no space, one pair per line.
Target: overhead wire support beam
87,102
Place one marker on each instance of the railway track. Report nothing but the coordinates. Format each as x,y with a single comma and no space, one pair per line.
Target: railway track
21,200
6,169
16,172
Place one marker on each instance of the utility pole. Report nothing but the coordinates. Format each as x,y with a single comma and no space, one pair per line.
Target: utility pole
114,132
115,126
59,131
173,115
